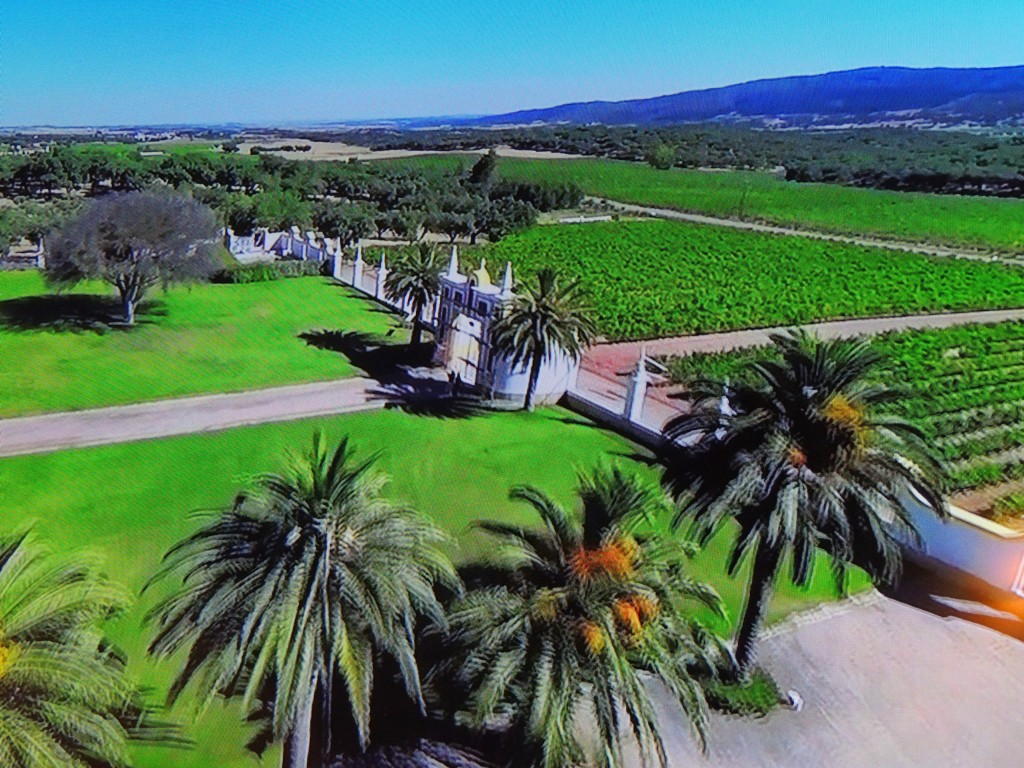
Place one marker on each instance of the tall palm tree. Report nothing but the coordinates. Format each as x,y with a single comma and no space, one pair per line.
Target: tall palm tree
301,582
800,455
569,619
415,280
65,699
542,321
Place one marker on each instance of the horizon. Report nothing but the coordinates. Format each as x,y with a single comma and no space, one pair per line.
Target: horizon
91,64
383,120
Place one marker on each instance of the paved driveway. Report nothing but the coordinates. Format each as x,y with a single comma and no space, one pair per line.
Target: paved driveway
884,684
179,416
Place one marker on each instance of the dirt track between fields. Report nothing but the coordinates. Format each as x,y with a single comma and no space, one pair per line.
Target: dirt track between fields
773,229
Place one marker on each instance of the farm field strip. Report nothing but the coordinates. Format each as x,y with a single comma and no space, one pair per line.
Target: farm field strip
653,279
976,223
970,408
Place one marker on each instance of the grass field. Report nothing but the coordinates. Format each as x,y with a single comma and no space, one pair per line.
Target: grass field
204,338
131,150
660,278
964,387
128,503
984,223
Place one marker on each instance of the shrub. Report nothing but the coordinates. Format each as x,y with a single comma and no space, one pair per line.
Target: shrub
262,272
755,699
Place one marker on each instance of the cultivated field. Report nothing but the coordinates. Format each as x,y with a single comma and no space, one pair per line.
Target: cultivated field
658,278
61,353
980,223
963,386
81,503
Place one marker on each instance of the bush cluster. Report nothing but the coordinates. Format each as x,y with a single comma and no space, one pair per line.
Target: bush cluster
262,272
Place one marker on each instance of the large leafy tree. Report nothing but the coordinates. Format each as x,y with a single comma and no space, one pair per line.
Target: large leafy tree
301,583
65,699
544,320
415,281
802,456
134,241
348,222
566,621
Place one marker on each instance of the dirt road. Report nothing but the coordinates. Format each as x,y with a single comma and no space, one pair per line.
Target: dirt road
179,416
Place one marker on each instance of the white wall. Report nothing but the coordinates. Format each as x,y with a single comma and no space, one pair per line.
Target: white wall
972,544
557,376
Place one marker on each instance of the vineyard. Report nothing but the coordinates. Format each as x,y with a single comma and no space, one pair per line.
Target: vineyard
648,279
964,387
953,220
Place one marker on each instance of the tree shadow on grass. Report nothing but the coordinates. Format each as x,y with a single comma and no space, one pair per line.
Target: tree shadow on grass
74,313
408,381
375,305
647,459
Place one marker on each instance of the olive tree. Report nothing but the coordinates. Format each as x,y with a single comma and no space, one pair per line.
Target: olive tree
134,241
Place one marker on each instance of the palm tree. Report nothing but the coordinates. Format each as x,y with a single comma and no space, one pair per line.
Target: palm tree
415,281
65,699
801,457
541,322
563,627
302,582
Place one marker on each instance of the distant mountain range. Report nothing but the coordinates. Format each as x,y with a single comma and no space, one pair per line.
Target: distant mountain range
873,96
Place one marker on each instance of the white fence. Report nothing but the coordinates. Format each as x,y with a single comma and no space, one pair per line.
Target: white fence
971,544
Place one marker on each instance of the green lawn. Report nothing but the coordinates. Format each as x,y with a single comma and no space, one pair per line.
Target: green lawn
986,223
647,279
204,338
128,503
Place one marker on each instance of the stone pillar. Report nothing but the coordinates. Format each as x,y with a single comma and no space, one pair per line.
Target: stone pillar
636,390
382,275
338,256
574,376
357,269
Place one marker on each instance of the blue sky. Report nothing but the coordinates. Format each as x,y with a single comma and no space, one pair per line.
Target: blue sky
66,62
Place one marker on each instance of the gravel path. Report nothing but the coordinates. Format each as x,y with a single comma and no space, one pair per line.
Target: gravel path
164,418
606,367
619,358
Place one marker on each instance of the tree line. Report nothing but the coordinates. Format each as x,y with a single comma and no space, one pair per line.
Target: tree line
975,163
342,200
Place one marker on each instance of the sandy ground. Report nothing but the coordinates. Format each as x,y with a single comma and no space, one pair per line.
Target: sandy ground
332,150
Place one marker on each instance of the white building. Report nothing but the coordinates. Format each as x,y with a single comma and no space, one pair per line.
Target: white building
467,308
461,319
262,245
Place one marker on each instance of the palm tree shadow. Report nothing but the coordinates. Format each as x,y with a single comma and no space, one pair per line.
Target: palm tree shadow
647,459
959,596
76,313
408,381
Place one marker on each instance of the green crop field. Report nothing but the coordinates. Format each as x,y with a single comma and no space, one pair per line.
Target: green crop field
984,223
660,278
131,150
128,503
963,386
190,340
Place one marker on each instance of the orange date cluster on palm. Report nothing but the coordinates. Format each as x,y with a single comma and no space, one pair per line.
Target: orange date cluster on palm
616,559
631,614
